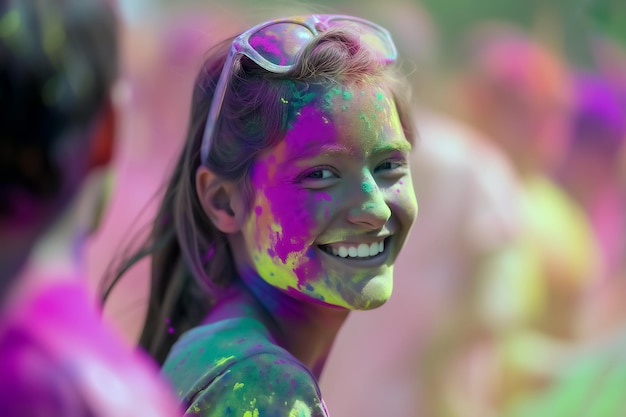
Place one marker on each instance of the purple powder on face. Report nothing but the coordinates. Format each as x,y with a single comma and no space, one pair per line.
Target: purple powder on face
323,196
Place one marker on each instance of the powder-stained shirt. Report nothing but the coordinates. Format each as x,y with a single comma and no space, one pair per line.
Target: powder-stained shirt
57,359
232,368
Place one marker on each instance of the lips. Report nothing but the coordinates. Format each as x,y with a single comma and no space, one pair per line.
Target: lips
354,250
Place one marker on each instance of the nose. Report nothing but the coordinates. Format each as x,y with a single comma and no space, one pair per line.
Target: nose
370,208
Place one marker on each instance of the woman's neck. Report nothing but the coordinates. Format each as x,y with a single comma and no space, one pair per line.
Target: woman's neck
306,329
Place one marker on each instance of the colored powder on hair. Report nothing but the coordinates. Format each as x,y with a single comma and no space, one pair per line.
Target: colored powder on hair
209,254
299,99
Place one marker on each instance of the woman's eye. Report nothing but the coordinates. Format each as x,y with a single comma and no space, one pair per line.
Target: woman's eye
389,166
320,174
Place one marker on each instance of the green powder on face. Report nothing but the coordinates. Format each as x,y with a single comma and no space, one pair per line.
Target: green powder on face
329,96
364,117
367,187
347,95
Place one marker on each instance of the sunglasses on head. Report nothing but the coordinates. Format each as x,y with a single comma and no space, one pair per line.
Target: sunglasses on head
275,46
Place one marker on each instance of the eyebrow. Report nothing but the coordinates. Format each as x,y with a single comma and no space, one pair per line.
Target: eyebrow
402,145
313,149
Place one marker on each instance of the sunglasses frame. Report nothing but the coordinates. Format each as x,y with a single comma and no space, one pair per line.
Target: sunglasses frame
241,46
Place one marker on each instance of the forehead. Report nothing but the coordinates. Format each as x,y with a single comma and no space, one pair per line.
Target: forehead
352,117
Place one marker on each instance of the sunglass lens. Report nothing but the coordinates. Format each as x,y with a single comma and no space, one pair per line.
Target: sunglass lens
280,43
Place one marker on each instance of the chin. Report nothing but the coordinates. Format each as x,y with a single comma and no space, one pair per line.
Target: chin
374,294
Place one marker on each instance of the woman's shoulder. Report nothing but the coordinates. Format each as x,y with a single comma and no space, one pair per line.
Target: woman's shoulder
233,367
217,345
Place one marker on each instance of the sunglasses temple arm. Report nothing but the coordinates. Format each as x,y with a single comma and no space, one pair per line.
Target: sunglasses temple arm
216,106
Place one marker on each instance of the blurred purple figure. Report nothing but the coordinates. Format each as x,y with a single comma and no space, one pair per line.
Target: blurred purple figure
58,65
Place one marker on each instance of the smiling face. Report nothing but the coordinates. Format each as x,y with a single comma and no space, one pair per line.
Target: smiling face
333,201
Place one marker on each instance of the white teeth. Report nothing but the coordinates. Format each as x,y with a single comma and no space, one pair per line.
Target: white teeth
361,251
373,249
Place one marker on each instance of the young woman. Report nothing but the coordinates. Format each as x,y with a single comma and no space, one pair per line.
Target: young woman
286,210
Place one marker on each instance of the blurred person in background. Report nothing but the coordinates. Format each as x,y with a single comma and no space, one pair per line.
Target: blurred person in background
592,382
404,359
593,174
58,66
520,95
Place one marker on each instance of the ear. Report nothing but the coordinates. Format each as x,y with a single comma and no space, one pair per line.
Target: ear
103,138
220,200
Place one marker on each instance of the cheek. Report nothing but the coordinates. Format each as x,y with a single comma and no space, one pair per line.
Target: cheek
286,220
402,197
283,234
